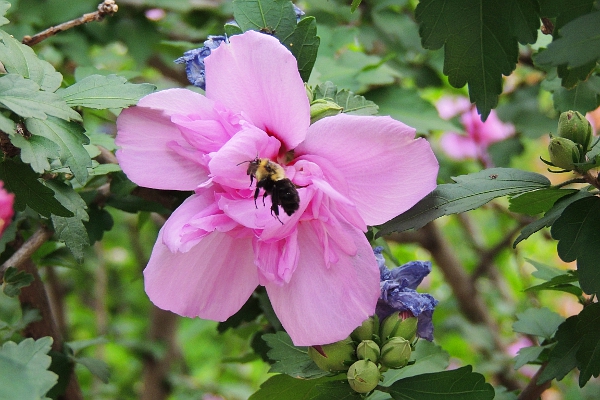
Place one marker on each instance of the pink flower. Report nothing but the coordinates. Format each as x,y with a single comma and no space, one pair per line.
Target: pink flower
480,135
351,171
6,207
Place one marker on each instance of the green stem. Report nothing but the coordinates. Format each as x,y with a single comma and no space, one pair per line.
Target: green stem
569,182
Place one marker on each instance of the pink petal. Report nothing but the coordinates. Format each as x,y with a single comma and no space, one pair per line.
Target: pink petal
277,260
179,101
212,280
322,305
386,169
196,218
256,75
153,151
458,146
449,107
485,133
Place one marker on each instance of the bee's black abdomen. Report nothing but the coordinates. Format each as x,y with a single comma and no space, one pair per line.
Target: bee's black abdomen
287,196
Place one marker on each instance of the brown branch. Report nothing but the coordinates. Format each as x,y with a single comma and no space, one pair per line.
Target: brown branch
27,249
533,391
487,256
35,296
107,7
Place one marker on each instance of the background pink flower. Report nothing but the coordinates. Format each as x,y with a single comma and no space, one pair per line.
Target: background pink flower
6,208
351,171
479,135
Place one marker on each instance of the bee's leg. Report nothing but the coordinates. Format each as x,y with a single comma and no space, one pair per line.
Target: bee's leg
256,197
264,195
275,205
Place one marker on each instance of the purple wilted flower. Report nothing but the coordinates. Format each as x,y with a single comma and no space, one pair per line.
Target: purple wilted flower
194,60
398,293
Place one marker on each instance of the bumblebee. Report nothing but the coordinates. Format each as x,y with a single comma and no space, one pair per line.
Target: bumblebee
270,176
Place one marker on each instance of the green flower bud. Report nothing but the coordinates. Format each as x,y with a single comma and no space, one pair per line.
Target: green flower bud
366,330
368,350
574,126
563,153
309,92
363,376
398,325
335,356
395,353
322,108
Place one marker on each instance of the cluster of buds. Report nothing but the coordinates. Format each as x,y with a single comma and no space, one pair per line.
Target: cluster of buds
572,142
371,349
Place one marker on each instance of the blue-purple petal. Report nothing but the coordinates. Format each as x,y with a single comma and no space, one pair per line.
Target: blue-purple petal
398,293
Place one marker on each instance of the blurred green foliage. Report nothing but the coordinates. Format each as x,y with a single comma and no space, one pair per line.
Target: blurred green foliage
375,52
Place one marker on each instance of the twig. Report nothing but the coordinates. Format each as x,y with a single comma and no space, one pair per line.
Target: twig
35,296
533,391
487,256
107,7
27,249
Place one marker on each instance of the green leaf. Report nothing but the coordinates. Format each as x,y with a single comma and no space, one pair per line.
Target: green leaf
20,179
588,354
285,387
231,30
406,105
524,19
14,280
529,354
577,232
566,14
102,92
579,43
78,345
583,98
538,321
23,97
459,384
35,151
561,359
289,359
97,367
561,283
351,103
71,230
537,201
276,17
479,43
551,216
304,44
70,139
4,6
24,371
355,4
100,221
20,59
523,110
428,357
469,192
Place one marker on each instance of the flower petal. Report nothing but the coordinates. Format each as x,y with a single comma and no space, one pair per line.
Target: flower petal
212,280
153,151
323,305
386,168
458,146
256,75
